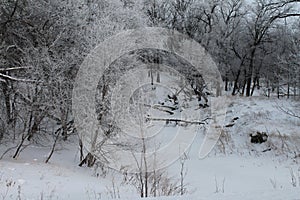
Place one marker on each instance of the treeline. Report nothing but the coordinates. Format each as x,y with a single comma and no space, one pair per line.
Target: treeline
250,41
43,42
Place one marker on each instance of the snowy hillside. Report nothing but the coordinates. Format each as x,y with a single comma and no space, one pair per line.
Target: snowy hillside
235,169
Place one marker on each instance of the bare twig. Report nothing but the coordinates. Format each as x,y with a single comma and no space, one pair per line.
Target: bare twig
13,68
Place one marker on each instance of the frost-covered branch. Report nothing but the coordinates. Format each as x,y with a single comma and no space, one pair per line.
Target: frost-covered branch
11,78
13,68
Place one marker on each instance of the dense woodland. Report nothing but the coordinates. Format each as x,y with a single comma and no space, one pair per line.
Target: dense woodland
256,45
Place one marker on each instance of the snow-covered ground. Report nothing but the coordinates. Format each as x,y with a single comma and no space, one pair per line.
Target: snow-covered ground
235,169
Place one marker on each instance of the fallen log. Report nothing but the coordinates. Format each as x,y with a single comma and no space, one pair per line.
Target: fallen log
168,120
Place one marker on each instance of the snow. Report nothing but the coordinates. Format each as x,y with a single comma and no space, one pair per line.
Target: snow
237,169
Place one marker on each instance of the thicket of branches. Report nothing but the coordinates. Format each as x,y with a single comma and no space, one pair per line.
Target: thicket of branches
43,42
251,41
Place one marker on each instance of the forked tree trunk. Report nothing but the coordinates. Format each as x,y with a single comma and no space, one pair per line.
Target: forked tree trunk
24,137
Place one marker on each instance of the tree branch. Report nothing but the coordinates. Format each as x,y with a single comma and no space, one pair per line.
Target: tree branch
289,15
7,77
13,68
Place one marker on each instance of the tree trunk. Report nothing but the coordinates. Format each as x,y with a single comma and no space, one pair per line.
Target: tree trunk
226,82
254,85
53,146
64,123
235,86
250,73
278,88
5,90
244,87
24,136
89,160
248,85
81,150
35,127
288,92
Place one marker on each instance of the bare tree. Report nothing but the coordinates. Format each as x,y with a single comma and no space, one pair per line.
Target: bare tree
264,15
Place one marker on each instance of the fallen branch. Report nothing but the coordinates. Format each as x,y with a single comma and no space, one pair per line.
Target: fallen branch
229,125
288,111
178,120
164,106
161,108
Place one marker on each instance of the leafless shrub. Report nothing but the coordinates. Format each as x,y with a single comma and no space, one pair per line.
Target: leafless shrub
150,181
225,142
156,183
9,184
282,144
183,172
92,194
100,169
295,178
114,190
273,183
220,187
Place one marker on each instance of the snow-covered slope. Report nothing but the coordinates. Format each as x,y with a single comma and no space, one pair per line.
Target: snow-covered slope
235,169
